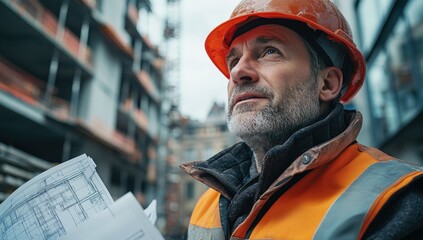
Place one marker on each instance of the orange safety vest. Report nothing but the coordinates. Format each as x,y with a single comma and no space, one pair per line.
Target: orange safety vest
336,200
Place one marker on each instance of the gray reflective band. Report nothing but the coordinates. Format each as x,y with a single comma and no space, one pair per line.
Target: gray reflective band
345,218
195,232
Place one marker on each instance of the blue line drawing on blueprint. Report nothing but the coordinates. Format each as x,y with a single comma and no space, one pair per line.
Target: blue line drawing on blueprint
54,202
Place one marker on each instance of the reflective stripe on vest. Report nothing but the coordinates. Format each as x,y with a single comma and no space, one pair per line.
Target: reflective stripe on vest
201,233
345,218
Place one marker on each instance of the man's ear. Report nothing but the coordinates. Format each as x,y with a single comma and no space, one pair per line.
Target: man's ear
331,79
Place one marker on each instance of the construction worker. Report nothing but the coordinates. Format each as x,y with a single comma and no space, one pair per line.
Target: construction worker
299,172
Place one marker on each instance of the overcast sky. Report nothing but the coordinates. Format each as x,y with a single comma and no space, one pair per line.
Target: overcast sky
201,83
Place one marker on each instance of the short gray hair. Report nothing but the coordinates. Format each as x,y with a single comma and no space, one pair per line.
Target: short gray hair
317,61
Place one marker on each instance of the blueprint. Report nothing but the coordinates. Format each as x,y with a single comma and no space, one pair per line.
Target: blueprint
55,202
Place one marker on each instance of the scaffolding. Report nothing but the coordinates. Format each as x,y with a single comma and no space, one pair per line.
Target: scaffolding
172,37
171,34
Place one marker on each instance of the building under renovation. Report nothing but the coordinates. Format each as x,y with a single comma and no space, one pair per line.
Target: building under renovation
77,76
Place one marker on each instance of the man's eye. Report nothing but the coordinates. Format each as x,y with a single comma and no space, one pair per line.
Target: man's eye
268,51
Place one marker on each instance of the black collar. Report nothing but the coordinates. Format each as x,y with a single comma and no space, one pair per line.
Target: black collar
227,171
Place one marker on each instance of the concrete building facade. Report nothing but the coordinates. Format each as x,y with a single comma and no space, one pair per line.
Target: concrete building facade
197,141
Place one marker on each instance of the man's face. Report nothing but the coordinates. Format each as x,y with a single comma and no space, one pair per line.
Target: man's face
271,91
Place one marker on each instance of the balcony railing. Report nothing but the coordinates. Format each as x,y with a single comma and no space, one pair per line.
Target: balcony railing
112,137
140,119
137,115
30,89
48,22
20,84
145,81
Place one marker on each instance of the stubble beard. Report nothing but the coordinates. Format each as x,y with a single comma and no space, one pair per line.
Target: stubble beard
273,124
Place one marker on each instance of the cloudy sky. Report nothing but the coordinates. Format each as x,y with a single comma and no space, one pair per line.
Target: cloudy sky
201,83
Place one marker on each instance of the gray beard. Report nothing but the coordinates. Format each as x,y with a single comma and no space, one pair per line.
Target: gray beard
273,125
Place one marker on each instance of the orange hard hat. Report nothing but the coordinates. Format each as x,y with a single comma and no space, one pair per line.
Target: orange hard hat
317,15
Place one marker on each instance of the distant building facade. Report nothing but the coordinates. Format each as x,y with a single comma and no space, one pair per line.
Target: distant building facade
198,141
390,35
77,76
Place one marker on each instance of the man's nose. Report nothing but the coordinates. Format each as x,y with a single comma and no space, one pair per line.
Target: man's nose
244,71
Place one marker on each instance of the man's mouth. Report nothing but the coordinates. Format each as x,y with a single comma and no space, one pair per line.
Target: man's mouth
248,96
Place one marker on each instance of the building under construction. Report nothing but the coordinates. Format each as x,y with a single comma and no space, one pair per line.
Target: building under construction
77,76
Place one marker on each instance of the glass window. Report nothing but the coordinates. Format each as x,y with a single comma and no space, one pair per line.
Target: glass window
414,14
401,60
371,15
383,97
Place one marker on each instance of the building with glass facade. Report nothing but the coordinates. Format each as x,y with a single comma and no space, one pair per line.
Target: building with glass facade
390,35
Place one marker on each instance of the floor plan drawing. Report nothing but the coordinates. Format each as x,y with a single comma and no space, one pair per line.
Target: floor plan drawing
54,202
